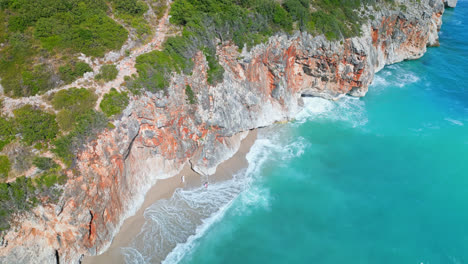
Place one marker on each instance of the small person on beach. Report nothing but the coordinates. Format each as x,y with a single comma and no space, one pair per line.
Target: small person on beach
182,179
206,185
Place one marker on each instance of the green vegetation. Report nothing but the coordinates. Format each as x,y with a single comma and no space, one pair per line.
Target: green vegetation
51,30
77,117
72,103
131,7
215,70
244,22
7,132
190,95
77,100
114,102
131,12
35,125
73,70
154,69
25,193
107,73
41,40
45,163
86,127
5,166
159,7
205,22
37,80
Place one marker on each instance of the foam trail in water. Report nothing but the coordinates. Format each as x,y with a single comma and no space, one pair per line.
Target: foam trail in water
266,149
348,109
393,76
170,222
173,226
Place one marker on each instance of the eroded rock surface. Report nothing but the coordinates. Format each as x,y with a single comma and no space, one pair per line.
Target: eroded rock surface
158,133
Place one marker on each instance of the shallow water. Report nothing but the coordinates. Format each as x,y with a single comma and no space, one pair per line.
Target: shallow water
381,179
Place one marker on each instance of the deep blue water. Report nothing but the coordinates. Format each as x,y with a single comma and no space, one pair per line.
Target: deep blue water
381,179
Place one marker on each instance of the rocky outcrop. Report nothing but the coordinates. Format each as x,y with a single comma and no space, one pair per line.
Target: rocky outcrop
159,133
450,3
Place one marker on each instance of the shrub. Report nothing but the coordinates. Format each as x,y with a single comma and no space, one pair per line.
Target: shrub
72,103
25,193
155,68
7,132
45,163
74,99
74,70
66,119
215,70
5,166
35,125
87,126
63,148
37,80
114,102
190,95
40,29
132,7
107,73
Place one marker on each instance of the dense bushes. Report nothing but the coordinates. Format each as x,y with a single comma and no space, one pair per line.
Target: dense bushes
133,7
155,68
81,26
35,125
25,193
5,167
131,12
190,94
76,115
87,126
107,73
114,102
204,23
245,22
7,131
37,80
45,163
72,71
46,29
71,103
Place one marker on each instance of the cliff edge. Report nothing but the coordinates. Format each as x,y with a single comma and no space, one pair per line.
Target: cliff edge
160,132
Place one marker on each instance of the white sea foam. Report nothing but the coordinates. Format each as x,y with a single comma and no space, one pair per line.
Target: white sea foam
348,109
454,121
406,78
380,81
173,227
393,76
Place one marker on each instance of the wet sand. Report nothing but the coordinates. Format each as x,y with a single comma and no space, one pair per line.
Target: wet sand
163,189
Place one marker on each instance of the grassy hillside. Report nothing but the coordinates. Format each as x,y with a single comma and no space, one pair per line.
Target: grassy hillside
41,39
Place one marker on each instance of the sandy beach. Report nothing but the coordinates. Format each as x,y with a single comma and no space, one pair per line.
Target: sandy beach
164,189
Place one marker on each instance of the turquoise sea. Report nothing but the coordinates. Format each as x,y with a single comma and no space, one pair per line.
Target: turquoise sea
381,179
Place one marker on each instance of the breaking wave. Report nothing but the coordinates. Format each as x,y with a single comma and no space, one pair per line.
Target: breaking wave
173,226
348,109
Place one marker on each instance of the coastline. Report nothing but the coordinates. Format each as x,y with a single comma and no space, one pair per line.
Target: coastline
164,189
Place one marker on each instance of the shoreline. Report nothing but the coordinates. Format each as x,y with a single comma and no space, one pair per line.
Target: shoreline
164,189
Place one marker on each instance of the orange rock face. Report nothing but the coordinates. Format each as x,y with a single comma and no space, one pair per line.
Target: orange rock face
159,133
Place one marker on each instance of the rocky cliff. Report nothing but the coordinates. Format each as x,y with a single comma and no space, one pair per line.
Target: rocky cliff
159,133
